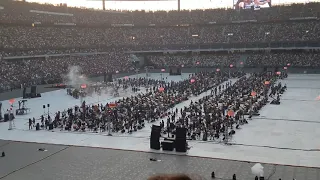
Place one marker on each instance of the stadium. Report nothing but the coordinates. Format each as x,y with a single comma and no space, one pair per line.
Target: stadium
159,90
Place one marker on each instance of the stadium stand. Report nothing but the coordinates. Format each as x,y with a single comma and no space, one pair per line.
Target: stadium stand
47,37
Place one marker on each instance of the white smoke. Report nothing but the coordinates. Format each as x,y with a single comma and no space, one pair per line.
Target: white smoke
257,170
75,78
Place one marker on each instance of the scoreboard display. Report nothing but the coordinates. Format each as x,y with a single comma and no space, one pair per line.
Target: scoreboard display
252,4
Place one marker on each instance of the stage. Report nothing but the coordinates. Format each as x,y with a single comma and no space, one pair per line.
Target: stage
284,134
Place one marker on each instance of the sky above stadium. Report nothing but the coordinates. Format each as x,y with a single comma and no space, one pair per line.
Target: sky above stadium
156,5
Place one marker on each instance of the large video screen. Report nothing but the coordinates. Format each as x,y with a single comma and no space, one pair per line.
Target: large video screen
252,4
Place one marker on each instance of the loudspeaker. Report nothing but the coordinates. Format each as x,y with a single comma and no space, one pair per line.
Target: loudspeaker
105,77
179,71
181,145
155,137
51,126
24,93
167,145
181,140
33,90
37,126
0,110
6,117
109,77
181,133
155,132
154,144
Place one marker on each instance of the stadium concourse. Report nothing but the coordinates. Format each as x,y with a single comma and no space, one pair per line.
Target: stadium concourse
224,55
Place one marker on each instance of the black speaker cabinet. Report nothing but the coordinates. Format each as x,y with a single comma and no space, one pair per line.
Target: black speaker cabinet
105,77
181,145
6,117
155,137
24,93
33,89
155,132
154,144
109,77
51,126
167,145
38,127
181,133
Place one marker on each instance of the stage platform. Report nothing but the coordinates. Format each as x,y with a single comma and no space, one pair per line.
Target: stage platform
24,161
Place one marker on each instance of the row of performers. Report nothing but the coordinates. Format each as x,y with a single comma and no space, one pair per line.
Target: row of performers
76,93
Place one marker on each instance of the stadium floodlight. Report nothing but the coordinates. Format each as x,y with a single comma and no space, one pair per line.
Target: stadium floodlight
195,35
230,34
267,33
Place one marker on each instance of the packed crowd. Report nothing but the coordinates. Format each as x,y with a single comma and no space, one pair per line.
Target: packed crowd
17,73
24,40
214,117
261,59
37,39
130,113
14,11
